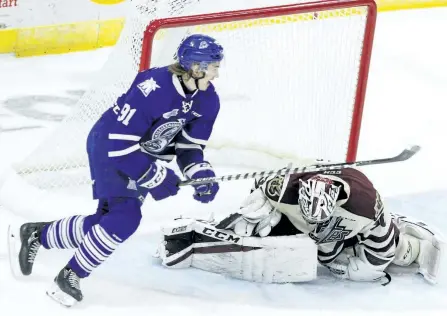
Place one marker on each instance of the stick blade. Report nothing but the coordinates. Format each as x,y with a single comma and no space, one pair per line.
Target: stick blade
408,153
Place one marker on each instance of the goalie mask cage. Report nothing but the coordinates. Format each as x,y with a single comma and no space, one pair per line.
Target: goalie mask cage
292,83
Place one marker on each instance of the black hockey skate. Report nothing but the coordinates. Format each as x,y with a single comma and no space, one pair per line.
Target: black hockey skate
30,244
66,289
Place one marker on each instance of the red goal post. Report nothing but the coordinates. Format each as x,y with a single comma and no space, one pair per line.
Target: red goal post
276,11
292,85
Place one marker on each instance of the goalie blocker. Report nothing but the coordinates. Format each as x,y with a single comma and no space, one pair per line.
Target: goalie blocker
199,244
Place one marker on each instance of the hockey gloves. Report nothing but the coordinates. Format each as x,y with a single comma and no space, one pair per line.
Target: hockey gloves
256,216
366,265
161,182
203,192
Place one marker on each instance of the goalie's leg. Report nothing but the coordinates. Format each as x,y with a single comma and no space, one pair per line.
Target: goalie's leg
191,243
419,248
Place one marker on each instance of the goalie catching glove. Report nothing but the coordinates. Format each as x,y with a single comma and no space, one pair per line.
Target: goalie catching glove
256,216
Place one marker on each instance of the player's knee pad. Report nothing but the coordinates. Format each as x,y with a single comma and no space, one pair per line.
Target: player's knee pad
123,217
191,243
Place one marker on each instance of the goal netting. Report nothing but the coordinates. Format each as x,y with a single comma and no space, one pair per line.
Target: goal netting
292,82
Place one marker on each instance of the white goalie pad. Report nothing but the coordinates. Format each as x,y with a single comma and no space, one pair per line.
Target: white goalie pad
269,260
431,248
430,258
190,243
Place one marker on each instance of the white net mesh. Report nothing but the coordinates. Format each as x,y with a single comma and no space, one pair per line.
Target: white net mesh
287,86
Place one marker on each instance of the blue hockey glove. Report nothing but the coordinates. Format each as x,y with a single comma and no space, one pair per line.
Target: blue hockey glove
203,192
161,182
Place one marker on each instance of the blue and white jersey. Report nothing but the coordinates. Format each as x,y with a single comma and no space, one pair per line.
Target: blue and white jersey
155,119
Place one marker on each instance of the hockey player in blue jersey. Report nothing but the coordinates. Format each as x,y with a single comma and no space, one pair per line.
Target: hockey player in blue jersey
167,113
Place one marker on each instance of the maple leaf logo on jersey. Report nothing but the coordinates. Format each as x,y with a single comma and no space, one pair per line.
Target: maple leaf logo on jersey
147,86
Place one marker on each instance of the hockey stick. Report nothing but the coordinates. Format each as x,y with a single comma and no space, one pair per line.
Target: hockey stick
404,155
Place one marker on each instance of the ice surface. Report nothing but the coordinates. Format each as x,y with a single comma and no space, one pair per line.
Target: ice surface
405,105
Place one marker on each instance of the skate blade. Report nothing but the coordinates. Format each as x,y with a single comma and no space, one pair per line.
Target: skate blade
61,297
13,252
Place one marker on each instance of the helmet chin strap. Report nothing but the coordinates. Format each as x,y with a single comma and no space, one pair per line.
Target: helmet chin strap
197,83
197,78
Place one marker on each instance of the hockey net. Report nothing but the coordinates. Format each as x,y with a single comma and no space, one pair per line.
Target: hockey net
292,82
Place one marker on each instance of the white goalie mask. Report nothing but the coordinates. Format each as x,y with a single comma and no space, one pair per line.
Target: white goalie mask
317,198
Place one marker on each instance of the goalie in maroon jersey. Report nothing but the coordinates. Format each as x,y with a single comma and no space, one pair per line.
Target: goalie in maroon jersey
356,237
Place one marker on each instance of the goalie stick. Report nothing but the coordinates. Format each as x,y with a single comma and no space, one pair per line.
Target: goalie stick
404,155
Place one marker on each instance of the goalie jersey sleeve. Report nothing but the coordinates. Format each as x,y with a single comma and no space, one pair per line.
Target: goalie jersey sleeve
155,119
359,217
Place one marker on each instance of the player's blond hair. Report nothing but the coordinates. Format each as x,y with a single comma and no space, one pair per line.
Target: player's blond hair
178,70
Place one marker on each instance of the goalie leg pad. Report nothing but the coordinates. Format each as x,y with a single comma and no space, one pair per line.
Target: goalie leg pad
270,260
176,249
407,250
424,247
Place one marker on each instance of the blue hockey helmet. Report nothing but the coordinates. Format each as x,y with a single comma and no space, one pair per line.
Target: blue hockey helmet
200,49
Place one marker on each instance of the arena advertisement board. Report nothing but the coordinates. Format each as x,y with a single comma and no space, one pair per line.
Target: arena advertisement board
30,27
37,27
32,13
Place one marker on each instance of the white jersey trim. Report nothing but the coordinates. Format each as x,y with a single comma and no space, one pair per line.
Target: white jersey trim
187,146
178,85
124,137
193,140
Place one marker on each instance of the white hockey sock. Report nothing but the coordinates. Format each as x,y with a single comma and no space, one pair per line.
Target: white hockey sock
64,233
